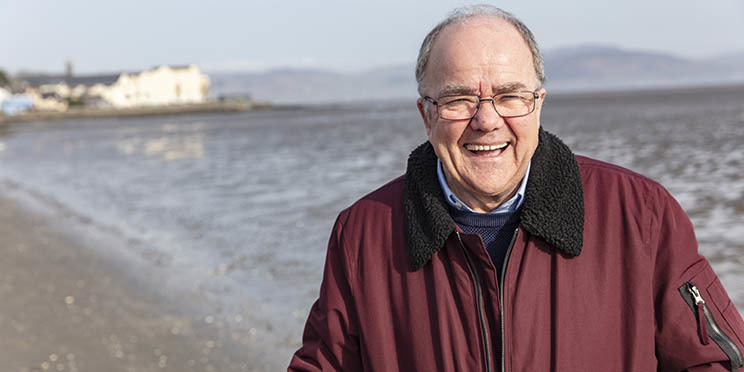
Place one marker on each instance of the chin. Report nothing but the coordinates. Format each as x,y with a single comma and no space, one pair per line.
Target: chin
489,190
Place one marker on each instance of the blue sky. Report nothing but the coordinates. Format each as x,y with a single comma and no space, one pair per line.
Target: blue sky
103,36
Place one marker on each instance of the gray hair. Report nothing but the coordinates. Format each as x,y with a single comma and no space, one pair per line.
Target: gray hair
460,15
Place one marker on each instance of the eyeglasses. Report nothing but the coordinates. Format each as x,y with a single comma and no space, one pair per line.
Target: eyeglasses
464,107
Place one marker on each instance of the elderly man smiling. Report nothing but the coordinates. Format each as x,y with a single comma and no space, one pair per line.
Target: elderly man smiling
499,249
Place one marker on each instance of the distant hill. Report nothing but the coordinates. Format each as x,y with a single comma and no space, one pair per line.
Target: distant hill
579,68
317,86
594,67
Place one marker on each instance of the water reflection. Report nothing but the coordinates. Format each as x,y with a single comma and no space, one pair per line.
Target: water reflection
5,130
169,148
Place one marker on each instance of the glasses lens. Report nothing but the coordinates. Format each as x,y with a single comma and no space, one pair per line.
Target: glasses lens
458,107
514,104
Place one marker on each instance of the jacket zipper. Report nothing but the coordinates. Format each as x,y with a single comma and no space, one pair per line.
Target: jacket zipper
479,305
707,326
501,300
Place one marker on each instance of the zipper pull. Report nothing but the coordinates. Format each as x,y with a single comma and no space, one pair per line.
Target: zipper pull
700,305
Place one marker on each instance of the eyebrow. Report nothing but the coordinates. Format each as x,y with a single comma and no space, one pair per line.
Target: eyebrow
456,89
509,87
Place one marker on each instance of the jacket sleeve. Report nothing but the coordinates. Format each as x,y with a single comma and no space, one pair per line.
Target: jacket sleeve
687,339
330,341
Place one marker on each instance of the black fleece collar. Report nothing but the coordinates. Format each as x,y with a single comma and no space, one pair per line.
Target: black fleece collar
553,206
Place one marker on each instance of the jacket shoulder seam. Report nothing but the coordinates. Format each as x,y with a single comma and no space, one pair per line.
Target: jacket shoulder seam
616,169
651,223
343,218
649,198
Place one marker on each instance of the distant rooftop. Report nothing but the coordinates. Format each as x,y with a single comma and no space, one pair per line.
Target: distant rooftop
37,80
71,81
172,67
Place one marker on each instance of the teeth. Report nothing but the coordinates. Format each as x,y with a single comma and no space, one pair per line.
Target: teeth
485,147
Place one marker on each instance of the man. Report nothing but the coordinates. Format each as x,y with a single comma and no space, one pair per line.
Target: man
501,250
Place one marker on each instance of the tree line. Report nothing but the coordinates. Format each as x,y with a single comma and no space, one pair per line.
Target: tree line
4,79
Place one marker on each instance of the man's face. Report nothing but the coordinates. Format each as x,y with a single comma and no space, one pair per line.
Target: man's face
483,57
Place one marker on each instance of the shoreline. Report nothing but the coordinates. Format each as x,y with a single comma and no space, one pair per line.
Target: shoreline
78,113
71,304
557,94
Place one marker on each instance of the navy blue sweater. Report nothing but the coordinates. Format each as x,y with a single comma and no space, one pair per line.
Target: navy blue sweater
496,231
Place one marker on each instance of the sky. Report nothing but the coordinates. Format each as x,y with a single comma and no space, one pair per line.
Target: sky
113,36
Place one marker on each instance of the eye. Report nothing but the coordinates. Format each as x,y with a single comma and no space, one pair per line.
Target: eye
458,100
510,96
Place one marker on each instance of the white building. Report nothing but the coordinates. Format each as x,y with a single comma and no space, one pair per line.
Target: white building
3,95
164,85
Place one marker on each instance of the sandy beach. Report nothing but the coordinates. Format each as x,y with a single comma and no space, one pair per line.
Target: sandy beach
66,308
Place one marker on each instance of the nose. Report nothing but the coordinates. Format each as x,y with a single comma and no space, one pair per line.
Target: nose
486,119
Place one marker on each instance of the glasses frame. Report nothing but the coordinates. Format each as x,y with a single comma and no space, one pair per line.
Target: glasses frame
535,96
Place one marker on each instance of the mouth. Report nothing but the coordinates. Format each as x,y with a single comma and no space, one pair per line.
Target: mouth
486,150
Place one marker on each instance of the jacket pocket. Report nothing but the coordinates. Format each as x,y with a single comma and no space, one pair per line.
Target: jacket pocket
707,326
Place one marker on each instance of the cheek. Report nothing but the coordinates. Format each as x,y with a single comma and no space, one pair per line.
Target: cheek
446,135
435,130
526,130
430,129
431,124
529,139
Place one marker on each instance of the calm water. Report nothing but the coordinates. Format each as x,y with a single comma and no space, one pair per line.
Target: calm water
237,208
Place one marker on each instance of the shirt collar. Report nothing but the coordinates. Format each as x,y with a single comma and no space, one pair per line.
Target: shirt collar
508,206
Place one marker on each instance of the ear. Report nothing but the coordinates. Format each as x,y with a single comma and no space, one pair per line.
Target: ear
538,108
420,104
543,93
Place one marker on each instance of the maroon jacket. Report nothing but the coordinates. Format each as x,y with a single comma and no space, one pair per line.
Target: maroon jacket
603,275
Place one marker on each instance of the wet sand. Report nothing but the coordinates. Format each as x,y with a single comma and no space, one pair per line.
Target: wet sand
63,307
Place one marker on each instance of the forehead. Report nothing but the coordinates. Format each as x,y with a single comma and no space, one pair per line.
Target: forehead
482,53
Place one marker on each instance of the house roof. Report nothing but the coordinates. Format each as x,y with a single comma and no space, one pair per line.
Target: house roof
172,67
71,81
36,81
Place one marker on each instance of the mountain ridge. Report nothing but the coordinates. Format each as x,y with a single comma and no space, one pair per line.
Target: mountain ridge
574,68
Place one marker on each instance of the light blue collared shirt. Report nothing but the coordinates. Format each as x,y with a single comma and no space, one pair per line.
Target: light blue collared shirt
508,206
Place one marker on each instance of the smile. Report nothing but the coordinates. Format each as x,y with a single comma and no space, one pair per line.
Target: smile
486,149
